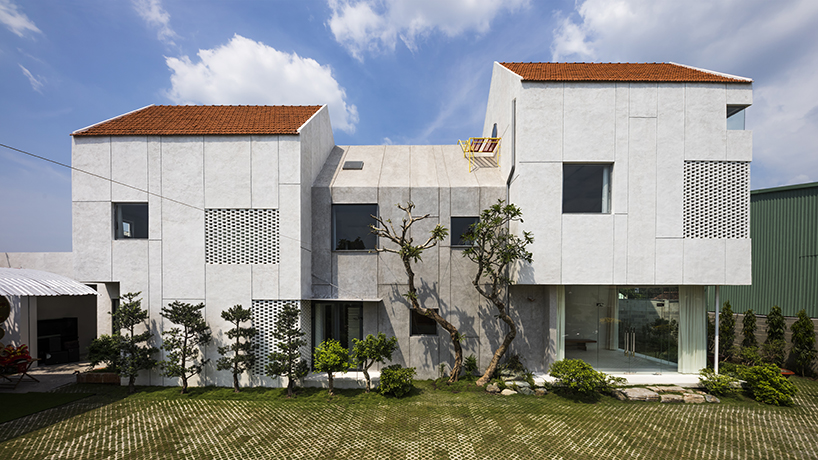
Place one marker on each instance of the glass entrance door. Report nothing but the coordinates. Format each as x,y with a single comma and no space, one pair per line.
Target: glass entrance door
649,328
342,321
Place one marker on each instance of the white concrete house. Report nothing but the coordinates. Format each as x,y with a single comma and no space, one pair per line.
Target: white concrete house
633,178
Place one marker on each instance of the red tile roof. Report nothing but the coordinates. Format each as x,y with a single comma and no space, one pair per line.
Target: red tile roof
184,120
646,72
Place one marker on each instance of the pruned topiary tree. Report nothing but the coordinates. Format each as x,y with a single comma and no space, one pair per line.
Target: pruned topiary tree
181,344
372,350
494,249
803,343
409,253
243,348
135,353
774,344
727,333
331,357
287,362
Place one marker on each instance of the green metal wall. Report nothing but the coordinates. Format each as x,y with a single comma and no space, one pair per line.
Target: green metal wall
784,230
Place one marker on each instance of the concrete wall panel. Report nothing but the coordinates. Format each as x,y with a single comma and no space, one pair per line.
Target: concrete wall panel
739,94
289,160
264,171
265,281
538,192
227,172
620,255
739,145
705,121
129,165
227,285
587,248
704,261
642,201
669,261
737,270
589,122
183,169
643,100
540,123
619,198
183,254
670,142
131,267
91,154
91,240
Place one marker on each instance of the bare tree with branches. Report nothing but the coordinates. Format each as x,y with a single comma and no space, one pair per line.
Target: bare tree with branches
494,248
410,252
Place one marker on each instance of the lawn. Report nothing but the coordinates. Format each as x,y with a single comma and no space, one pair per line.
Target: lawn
430,423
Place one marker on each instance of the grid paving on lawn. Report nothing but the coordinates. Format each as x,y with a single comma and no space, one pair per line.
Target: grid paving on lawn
432,424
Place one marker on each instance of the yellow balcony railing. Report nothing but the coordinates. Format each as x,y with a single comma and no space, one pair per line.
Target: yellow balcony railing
481,147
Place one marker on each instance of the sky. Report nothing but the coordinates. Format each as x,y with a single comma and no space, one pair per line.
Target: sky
391,72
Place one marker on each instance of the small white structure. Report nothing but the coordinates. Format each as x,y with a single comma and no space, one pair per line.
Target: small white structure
633,178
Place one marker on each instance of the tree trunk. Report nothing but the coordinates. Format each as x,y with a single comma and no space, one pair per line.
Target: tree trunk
289,386
235,382
184,383
501,350
329,375
131,384
366,376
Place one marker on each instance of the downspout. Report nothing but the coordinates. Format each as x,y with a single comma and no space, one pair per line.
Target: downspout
508,186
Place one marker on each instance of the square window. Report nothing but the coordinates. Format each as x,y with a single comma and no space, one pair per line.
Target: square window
350,226
586,188
460,227
421,324
130,220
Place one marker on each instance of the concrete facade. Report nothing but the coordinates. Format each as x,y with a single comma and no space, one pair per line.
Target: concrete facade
664,144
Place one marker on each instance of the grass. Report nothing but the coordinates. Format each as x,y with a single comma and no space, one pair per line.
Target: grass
16,405
434,421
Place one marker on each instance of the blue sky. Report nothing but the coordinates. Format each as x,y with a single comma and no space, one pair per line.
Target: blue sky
392,71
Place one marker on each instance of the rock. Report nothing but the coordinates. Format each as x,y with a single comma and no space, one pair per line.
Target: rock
670,398
508,392
636,394
712,399
540,391
693,398
493,388
667,389
525,391
519,383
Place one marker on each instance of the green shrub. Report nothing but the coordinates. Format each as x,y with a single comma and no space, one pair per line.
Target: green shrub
372,350
470,365
717,384
767,385
105,350
331,357
396,380
803,343
750,356
577,376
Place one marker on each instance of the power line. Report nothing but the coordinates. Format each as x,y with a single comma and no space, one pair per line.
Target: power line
98,176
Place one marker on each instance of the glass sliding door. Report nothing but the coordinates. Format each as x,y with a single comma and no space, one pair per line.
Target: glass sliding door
590,320
342,321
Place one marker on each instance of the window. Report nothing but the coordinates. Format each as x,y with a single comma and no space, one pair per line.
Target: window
350,226
130,220
586,188
461,226
421,324
735,117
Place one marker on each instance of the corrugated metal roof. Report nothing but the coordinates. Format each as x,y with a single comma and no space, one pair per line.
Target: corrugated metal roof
22,281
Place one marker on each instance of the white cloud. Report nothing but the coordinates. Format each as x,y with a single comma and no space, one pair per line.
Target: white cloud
156,16
244,71
14,20
36,83
374,26
775,43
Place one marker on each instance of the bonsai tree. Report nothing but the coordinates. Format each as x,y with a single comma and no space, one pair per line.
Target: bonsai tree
287,362
243,348
135,353
494,248
803,342
331,357
774,344
372,350
105,350
181,344
727,332
410,252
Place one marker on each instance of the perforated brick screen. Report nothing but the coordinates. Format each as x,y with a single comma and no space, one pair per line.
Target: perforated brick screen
717,199
241,236
264,315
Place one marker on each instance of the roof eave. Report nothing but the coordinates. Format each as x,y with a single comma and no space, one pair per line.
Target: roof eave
80,131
